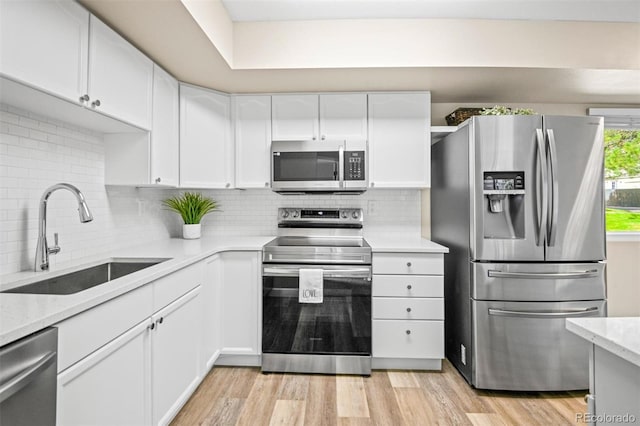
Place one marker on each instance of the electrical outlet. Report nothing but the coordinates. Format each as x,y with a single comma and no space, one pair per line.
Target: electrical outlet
372,208
463,354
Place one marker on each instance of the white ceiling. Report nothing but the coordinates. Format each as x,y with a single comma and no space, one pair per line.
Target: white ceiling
568,10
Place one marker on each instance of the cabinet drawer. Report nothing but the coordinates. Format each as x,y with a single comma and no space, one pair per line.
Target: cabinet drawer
408,286
169,288
408,263
390,339
402,308
82,334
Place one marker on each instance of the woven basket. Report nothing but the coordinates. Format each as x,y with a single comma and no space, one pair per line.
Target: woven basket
461,114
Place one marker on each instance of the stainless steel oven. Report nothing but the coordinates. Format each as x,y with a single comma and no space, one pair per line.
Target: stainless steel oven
330,337
319,166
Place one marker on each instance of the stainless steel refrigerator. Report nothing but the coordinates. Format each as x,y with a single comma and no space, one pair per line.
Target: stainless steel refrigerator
519,202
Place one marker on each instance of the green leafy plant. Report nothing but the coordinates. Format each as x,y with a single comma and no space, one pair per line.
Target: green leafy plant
503,110
192,206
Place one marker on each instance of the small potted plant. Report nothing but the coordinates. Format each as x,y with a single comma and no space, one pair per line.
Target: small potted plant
192,206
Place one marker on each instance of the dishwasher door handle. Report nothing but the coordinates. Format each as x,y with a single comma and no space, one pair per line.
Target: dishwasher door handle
544,314
13,385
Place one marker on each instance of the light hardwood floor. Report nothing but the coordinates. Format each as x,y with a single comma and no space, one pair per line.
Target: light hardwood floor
244,396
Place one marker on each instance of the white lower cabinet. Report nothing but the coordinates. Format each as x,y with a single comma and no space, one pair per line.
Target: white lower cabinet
144,375
211,304
407,310
110,386
241,309
175,356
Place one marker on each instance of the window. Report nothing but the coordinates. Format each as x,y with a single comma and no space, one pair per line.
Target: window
621,168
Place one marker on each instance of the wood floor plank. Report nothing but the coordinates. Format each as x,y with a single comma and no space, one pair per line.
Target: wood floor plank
288,412
568,404
382,402
443,400
294,386
484,419
322,408
259,405
415,408
402,379
351,397
224,412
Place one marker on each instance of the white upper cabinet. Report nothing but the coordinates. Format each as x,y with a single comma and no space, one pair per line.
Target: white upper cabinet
343,116
295,117
120,77
399,140
46,44
206,147
252,116
165,133
332,116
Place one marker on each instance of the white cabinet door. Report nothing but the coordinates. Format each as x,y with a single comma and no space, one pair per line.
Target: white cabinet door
211,306
399,140
294,117
46,44
206,147
120,77
110,386
241,308
343,116
252,116
165,133
175,355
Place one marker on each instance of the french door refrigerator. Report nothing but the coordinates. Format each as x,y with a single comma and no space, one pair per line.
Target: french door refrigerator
519,202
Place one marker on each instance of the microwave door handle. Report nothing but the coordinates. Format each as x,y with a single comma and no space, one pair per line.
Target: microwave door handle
341,165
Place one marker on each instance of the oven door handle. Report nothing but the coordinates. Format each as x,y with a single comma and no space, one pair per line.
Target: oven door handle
332,273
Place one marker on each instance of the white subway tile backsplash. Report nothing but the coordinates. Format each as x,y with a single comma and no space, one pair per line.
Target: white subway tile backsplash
37,152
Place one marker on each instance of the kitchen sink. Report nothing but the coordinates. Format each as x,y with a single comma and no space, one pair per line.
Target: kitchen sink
86,278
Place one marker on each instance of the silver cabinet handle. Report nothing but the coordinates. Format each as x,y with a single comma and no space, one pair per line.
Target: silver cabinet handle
408,309
314,138
152,326
409,264
408,331
227,185
544,275
553,225
266,184
95,103
373,184
159,321
84,98
158,180
544,314
409,287
323,137
29,374
541,193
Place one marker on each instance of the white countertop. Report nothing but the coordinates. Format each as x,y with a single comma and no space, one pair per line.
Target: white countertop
620,336
402,244
23,314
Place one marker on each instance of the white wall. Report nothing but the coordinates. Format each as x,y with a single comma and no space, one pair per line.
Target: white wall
36,152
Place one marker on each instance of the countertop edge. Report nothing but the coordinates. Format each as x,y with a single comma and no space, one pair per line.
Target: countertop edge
604,342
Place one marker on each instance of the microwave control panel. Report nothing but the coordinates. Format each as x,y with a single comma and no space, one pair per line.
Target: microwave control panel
354,165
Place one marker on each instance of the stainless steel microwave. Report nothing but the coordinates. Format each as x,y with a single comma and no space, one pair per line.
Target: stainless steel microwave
319,166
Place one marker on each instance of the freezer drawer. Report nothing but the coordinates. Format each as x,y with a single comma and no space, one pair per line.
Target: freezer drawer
525,346
538,282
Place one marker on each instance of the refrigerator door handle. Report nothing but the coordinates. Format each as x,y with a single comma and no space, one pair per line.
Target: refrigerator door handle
542,198
543,275
544,314
553,219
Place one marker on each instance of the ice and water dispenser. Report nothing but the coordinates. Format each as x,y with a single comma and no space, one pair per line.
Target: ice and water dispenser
504,209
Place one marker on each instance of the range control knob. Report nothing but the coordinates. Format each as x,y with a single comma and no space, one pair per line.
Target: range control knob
295,213
355,214
285,214
344,214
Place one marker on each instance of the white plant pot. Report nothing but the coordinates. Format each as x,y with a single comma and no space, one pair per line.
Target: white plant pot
191,232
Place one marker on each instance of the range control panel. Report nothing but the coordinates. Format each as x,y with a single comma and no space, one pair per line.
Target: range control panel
354,165
503,182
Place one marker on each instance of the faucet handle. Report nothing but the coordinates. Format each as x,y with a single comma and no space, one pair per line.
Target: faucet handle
56,248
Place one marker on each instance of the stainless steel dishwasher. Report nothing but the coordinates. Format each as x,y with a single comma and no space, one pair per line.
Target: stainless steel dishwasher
28,371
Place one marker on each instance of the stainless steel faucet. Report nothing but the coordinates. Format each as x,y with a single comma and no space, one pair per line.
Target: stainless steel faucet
43,250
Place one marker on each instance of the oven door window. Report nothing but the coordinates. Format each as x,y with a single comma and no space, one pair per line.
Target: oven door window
339,325
306,166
